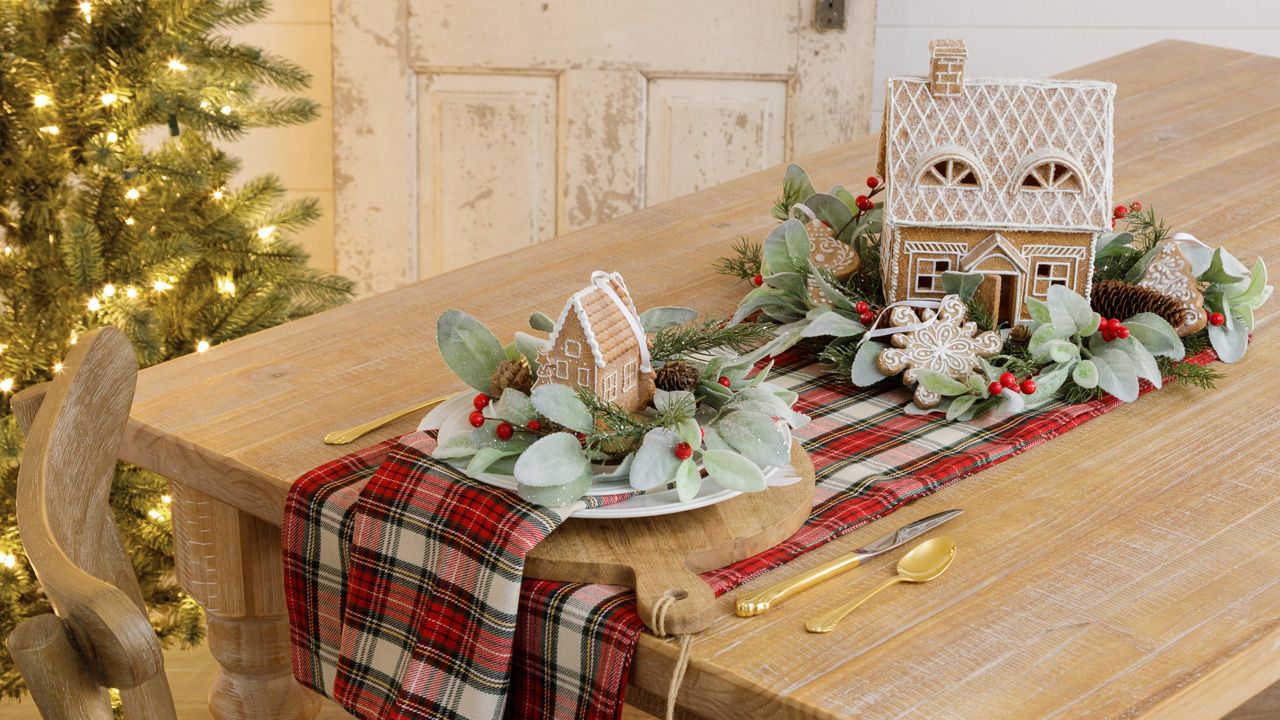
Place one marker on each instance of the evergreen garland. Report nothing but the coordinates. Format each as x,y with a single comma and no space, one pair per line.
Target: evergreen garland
117,208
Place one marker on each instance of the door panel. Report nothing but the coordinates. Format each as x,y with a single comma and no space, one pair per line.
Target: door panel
463,130
487,168
704,132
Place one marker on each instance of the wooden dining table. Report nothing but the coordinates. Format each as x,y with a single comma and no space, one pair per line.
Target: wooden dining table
1128,569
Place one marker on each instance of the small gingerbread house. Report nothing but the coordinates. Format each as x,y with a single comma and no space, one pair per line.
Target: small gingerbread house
1007,178
598,343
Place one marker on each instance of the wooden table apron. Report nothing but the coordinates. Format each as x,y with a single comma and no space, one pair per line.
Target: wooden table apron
1129,568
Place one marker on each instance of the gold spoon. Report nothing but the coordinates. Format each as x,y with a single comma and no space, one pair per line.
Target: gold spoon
342,437
925,562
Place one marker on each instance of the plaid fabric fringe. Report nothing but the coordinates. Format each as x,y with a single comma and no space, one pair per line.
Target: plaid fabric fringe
573,643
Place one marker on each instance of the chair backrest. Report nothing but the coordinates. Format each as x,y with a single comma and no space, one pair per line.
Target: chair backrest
66,523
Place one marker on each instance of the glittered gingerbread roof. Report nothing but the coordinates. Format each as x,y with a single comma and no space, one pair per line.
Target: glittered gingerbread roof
607,316
1003,129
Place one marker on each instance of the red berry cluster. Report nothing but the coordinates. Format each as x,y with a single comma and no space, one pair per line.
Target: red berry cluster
1121,211
504,429
1113,330
865,315
1010,382
1217,319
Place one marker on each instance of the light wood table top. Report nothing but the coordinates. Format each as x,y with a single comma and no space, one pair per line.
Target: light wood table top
1129,569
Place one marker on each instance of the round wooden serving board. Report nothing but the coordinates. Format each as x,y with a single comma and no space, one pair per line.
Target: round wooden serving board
664,554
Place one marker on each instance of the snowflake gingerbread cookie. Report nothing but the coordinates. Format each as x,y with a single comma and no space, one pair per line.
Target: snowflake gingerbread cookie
945,343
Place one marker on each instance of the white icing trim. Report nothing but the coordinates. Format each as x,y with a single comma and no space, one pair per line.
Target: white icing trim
873,332
601,279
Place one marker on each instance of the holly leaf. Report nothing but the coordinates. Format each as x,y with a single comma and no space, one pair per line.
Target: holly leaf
468,348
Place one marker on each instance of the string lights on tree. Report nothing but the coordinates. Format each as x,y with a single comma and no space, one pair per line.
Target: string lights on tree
162,239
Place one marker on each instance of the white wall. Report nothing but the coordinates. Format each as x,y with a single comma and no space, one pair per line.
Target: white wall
1037,38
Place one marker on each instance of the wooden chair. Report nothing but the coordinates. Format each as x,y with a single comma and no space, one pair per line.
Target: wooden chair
100,636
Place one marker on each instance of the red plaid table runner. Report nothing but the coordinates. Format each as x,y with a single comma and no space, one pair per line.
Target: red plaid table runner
573,643
403,580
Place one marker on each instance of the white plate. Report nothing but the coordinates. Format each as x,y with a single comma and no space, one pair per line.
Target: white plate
451,418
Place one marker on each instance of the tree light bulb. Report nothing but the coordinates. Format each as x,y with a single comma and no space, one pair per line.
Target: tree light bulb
226,109
86,9
202,346
166,499
177,65
41,100
108,290
155,514
131,292
9,560
161,286
133,194
218,194
265,233
112,137
94,304
226,286
6,385
57,368
50,129
109,98
129,221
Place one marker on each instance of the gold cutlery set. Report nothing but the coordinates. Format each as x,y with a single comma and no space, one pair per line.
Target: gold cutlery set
923,563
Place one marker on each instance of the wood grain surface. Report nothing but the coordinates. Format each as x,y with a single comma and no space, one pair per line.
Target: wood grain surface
1128,569
663,554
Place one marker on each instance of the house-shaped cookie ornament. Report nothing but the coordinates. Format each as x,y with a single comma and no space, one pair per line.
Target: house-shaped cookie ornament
598,343
1007,178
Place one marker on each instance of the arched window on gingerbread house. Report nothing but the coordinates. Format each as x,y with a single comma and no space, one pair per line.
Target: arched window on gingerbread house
1049,171
950,172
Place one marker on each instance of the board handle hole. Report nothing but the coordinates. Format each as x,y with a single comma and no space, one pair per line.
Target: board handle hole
676,594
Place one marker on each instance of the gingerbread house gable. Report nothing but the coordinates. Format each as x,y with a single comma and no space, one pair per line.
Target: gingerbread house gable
598,342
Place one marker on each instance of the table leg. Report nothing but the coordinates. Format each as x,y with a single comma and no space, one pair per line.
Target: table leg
229,562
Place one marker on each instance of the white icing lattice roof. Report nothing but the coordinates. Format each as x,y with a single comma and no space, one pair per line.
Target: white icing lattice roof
1001,125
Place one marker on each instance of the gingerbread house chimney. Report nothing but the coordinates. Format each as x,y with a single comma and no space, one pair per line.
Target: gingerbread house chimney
946,67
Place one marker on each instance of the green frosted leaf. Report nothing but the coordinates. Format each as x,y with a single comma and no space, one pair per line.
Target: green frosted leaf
688,480
1085,374
962,284
553,460
786,249
560,404
833,324
656,461
960,406
1116,374
941,384
865,371
557,495
733,471
541,321
1156,335
756,436
468,348
655,319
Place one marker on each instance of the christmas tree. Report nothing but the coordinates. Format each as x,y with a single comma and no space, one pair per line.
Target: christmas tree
117,208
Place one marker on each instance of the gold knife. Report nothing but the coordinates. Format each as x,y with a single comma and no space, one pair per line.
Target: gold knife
759,601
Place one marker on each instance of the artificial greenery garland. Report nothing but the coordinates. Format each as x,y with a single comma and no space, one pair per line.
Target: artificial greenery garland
730,427
1067,351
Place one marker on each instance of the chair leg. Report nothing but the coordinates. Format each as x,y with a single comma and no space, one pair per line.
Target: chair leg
63,689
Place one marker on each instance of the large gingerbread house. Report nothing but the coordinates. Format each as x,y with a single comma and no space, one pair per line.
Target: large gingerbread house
1007,178
598,343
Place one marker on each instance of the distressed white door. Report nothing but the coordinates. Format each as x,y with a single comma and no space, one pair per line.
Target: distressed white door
463,130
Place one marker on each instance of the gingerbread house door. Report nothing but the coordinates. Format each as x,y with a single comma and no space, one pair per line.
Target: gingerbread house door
464,130
1005,269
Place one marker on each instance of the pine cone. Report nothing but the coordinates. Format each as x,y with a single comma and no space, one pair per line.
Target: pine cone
677,375
1117,299
1020,333
512,374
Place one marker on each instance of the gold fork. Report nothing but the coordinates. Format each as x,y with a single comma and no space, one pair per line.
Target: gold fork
342,437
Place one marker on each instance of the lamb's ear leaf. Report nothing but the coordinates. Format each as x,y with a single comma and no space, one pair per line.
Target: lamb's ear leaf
865,371
688,480
944,385
559,403
654,319
557,495
1085,374
961,283
1116,374
553,460
468,348
1218,274
960,406
786,249
542,321
832,211
795,184
1156,335
733,471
